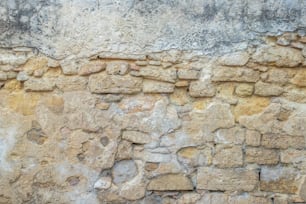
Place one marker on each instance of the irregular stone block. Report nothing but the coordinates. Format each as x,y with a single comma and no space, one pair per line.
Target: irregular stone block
282,141
228,156
292,156
160,74
103,183
280,179
35,84
209,178
244,90
233,135
261,156
123,171
279,56
3,76
279,76
92,67
235,74
252,138
266,89
150,86
117,68
248,199
136,137
201,89
103,83
170,182
71,83
188,74
234,59
193,156
300,78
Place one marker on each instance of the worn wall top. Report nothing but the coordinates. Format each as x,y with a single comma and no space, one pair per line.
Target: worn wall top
60,28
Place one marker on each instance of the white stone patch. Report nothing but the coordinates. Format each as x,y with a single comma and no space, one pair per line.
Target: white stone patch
7,142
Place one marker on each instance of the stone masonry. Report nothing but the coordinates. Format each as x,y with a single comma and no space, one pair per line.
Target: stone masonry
161,127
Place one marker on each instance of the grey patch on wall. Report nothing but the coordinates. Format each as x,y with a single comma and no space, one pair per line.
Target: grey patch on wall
60,28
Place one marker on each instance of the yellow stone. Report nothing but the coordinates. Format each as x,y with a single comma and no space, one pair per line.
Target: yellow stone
12,85
24,103
179,97
55,103
300,78
250,106
201,104
36,63
188,152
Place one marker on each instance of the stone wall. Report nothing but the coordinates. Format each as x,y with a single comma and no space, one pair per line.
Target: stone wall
161,127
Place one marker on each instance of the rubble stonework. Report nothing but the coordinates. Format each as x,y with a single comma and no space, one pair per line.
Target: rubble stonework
155,128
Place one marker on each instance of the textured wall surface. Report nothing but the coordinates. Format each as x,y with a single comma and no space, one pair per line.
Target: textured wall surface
60,28
159,101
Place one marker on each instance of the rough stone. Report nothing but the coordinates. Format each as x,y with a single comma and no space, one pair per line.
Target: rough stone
252,138
279,56
117,68
279,180
71,83
188,74
34,84
213,198
193,156
261,156
201,89
221,74
170,182
300,78
244,90
103,183
209,178
22,76
292,156
136,137
3,76
280,76
102,83
235,135
250,106
123,171
282,141
160,74
267,89
228,156
150,86
92,67
234,59
247,198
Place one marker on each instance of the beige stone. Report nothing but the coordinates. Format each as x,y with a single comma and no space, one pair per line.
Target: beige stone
279,180
71,83
3,76
244,90
279,56
247,199
289,156
282,141
280,76
150,86
170,182
180,97
228,156
24,103
156,73
234,59
267,89
252,138
193,156
221,74
35,84
250,106
13,85
136,137
209,178
188,74
182,84
235,135
201,89
261,156
102,83
117,67
300,78
213,198
92,67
